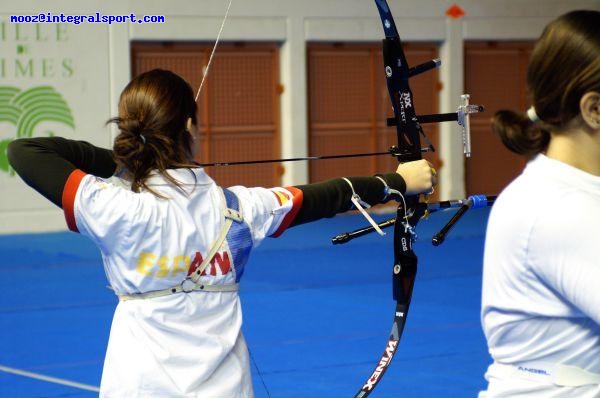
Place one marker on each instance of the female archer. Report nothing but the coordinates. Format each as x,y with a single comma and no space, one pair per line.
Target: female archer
540,300
173,242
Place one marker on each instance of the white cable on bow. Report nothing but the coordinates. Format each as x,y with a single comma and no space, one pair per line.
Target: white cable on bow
397,194
213,52
359,203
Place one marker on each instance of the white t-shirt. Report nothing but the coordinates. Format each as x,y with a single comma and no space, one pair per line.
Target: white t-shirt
541,279
181,345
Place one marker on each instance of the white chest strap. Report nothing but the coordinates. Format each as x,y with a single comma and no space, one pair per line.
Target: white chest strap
557,374
190,283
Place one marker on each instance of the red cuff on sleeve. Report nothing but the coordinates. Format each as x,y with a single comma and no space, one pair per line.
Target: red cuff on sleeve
297,197
68,197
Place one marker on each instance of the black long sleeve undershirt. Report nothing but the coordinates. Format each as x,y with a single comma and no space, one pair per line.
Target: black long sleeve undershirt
45,164
326,199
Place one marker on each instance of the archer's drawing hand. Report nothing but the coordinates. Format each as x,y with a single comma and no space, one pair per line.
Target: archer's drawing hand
419,175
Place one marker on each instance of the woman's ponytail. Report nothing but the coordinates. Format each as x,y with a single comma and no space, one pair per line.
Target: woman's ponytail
519,133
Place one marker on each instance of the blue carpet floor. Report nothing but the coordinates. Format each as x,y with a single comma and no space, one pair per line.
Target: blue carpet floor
317,316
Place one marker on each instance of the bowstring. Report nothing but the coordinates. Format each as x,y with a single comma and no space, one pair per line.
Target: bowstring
260,375
212,53
204,74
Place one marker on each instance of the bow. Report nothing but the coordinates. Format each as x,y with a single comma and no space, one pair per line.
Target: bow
410,210
408,131
397,74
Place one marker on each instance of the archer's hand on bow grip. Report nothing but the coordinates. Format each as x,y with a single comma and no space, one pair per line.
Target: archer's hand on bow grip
419,175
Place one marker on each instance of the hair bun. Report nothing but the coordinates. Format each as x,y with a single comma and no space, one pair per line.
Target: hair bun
153,111
132,126
519,132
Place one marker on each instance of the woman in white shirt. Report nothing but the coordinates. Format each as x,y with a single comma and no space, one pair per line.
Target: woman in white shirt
174,243
541,296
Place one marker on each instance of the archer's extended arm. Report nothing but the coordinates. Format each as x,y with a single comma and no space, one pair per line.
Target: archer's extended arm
45,163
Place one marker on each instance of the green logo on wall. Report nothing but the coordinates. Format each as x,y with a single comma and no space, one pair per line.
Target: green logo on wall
25,109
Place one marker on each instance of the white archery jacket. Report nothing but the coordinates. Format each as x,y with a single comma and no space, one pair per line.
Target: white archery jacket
185,344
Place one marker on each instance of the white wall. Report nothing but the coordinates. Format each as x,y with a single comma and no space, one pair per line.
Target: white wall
89,64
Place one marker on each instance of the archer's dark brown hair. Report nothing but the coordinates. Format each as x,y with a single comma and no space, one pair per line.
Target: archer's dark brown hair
564,65
153,111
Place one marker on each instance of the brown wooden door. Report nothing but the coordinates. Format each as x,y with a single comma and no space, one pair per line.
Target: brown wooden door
495,76
349,104
238,109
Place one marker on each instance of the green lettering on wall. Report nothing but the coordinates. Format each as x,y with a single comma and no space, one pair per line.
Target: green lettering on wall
48,67
61,32
39,33
67,66
19,34
23,70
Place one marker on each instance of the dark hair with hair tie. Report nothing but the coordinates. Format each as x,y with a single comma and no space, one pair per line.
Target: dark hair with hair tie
153,112
564,65
519,133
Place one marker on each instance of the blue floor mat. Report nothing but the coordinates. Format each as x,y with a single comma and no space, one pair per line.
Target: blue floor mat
317,316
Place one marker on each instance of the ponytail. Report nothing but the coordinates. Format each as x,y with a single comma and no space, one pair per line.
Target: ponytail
519,134
153,113
564,66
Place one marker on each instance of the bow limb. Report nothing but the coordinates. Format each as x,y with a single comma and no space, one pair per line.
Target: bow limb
397,73
408,131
